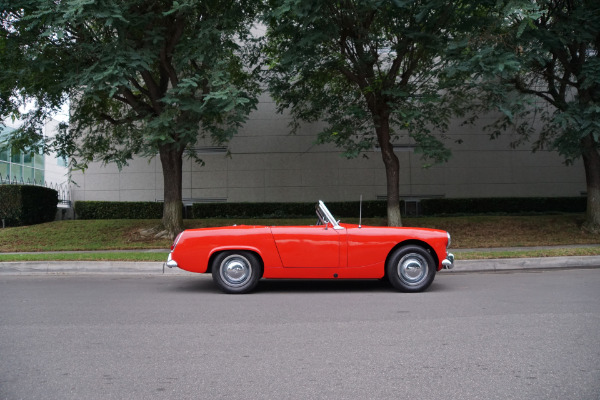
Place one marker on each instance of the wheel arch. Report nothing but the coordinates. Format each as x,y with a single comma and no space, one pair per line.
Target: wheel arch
414,242
216,253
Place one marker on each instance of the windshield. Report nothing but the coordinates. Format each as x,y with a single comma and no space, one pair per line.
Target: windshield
325,216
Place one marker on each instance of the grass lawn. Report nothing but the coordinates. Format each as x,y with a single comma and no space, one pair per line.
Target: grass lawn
83,256
469,232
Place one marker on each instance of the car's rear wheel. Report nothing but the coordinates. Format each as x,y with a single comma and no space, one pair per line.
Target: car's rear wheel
411,269
236,271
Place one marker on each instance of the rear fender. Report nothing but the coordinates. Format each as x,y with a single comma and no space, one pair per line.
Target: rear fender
216,251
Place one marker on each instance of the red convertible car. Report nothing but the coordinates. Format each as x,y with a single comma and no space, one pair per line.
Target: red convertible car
238,256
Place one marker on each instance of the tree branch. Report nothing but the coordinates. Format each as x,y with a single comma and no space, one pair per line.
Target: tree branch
174,33
116,122
154,91
139,87
133,101
523,88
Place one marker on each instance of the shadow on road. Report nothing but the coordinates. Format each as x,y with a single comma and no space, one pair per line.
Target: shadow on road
206,285
307,286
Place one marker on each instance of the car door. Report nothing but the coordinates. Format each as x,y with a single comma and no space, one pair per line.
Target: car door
308,246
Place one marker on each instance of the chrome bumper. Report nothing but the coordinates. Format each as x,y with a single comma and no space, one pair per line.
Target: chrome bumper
448,263
171,263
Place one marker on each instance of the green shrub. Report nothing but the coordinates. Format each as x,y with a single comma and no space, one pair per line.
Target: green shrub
348,209
118,209
27,204
503,205
286,210
253,210
351,209
378,208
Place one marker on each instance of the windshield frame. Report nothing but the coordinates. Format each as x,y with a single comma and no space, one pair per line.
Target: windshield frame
326,217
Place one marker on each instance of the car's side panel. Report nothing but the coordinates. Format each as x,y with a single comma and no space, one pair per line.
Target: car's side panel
371,272
308,246
195,246
368,246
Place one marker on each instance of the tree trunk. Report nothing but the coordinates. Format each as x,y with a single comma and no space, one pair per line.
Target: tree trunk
172,164
392,171
591,162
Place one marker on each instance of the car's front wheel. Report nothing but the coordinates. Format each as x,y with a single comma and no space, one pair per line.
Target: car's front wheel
411,269
236,271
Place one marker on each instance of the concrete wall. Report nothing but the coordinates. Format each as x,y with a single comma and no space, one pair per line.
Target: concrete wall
269,164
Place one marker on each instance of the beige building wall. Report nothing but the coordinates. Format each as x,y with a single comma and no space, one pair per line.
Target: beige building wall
268,164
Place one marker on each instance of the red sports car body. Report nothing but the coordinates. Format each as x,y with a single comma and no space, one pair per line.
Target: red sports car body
238,256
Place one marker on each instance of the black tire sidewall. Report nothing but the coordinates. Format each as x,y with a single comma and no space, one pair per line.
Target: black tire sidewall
392,272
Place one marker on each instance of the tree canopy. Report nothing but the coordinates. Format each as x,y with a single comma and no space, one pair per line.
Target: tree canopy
539,64
144,78
371,71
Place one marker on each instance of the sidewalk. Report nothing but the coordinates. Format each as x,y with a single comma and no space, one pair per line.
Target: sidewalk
523,264
508,264
157,268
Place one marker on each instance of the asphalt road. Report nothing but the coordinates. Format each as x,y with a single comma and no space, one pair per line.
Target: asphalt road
513,335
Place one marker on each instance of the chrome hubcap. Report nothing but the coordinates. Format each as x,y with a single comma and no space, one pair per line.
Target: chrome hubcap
412,269
235,270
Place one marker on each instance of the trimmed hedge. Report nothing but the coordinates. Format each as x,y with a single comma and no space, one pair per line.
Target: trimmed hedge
349,209
377,209
27,204
118,210
286,210
506,205
252,210
153,210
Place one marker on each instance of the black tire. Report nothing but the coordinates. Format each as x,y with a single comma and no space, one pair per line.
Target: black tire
236,272
411,269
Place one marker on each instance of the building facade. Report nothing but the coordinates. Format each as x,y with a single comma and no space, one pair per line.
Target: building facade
19,167
264,163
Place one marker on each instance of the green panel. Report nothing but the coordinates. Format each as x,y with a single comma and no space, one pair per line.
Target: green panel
39,161
28,159
16,172
28,175
39,176
4,154
16,156
4,170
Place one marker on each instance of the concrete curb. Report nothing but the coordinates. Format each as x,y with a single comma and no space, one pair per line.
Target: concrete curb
156,268
85,267
516,264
